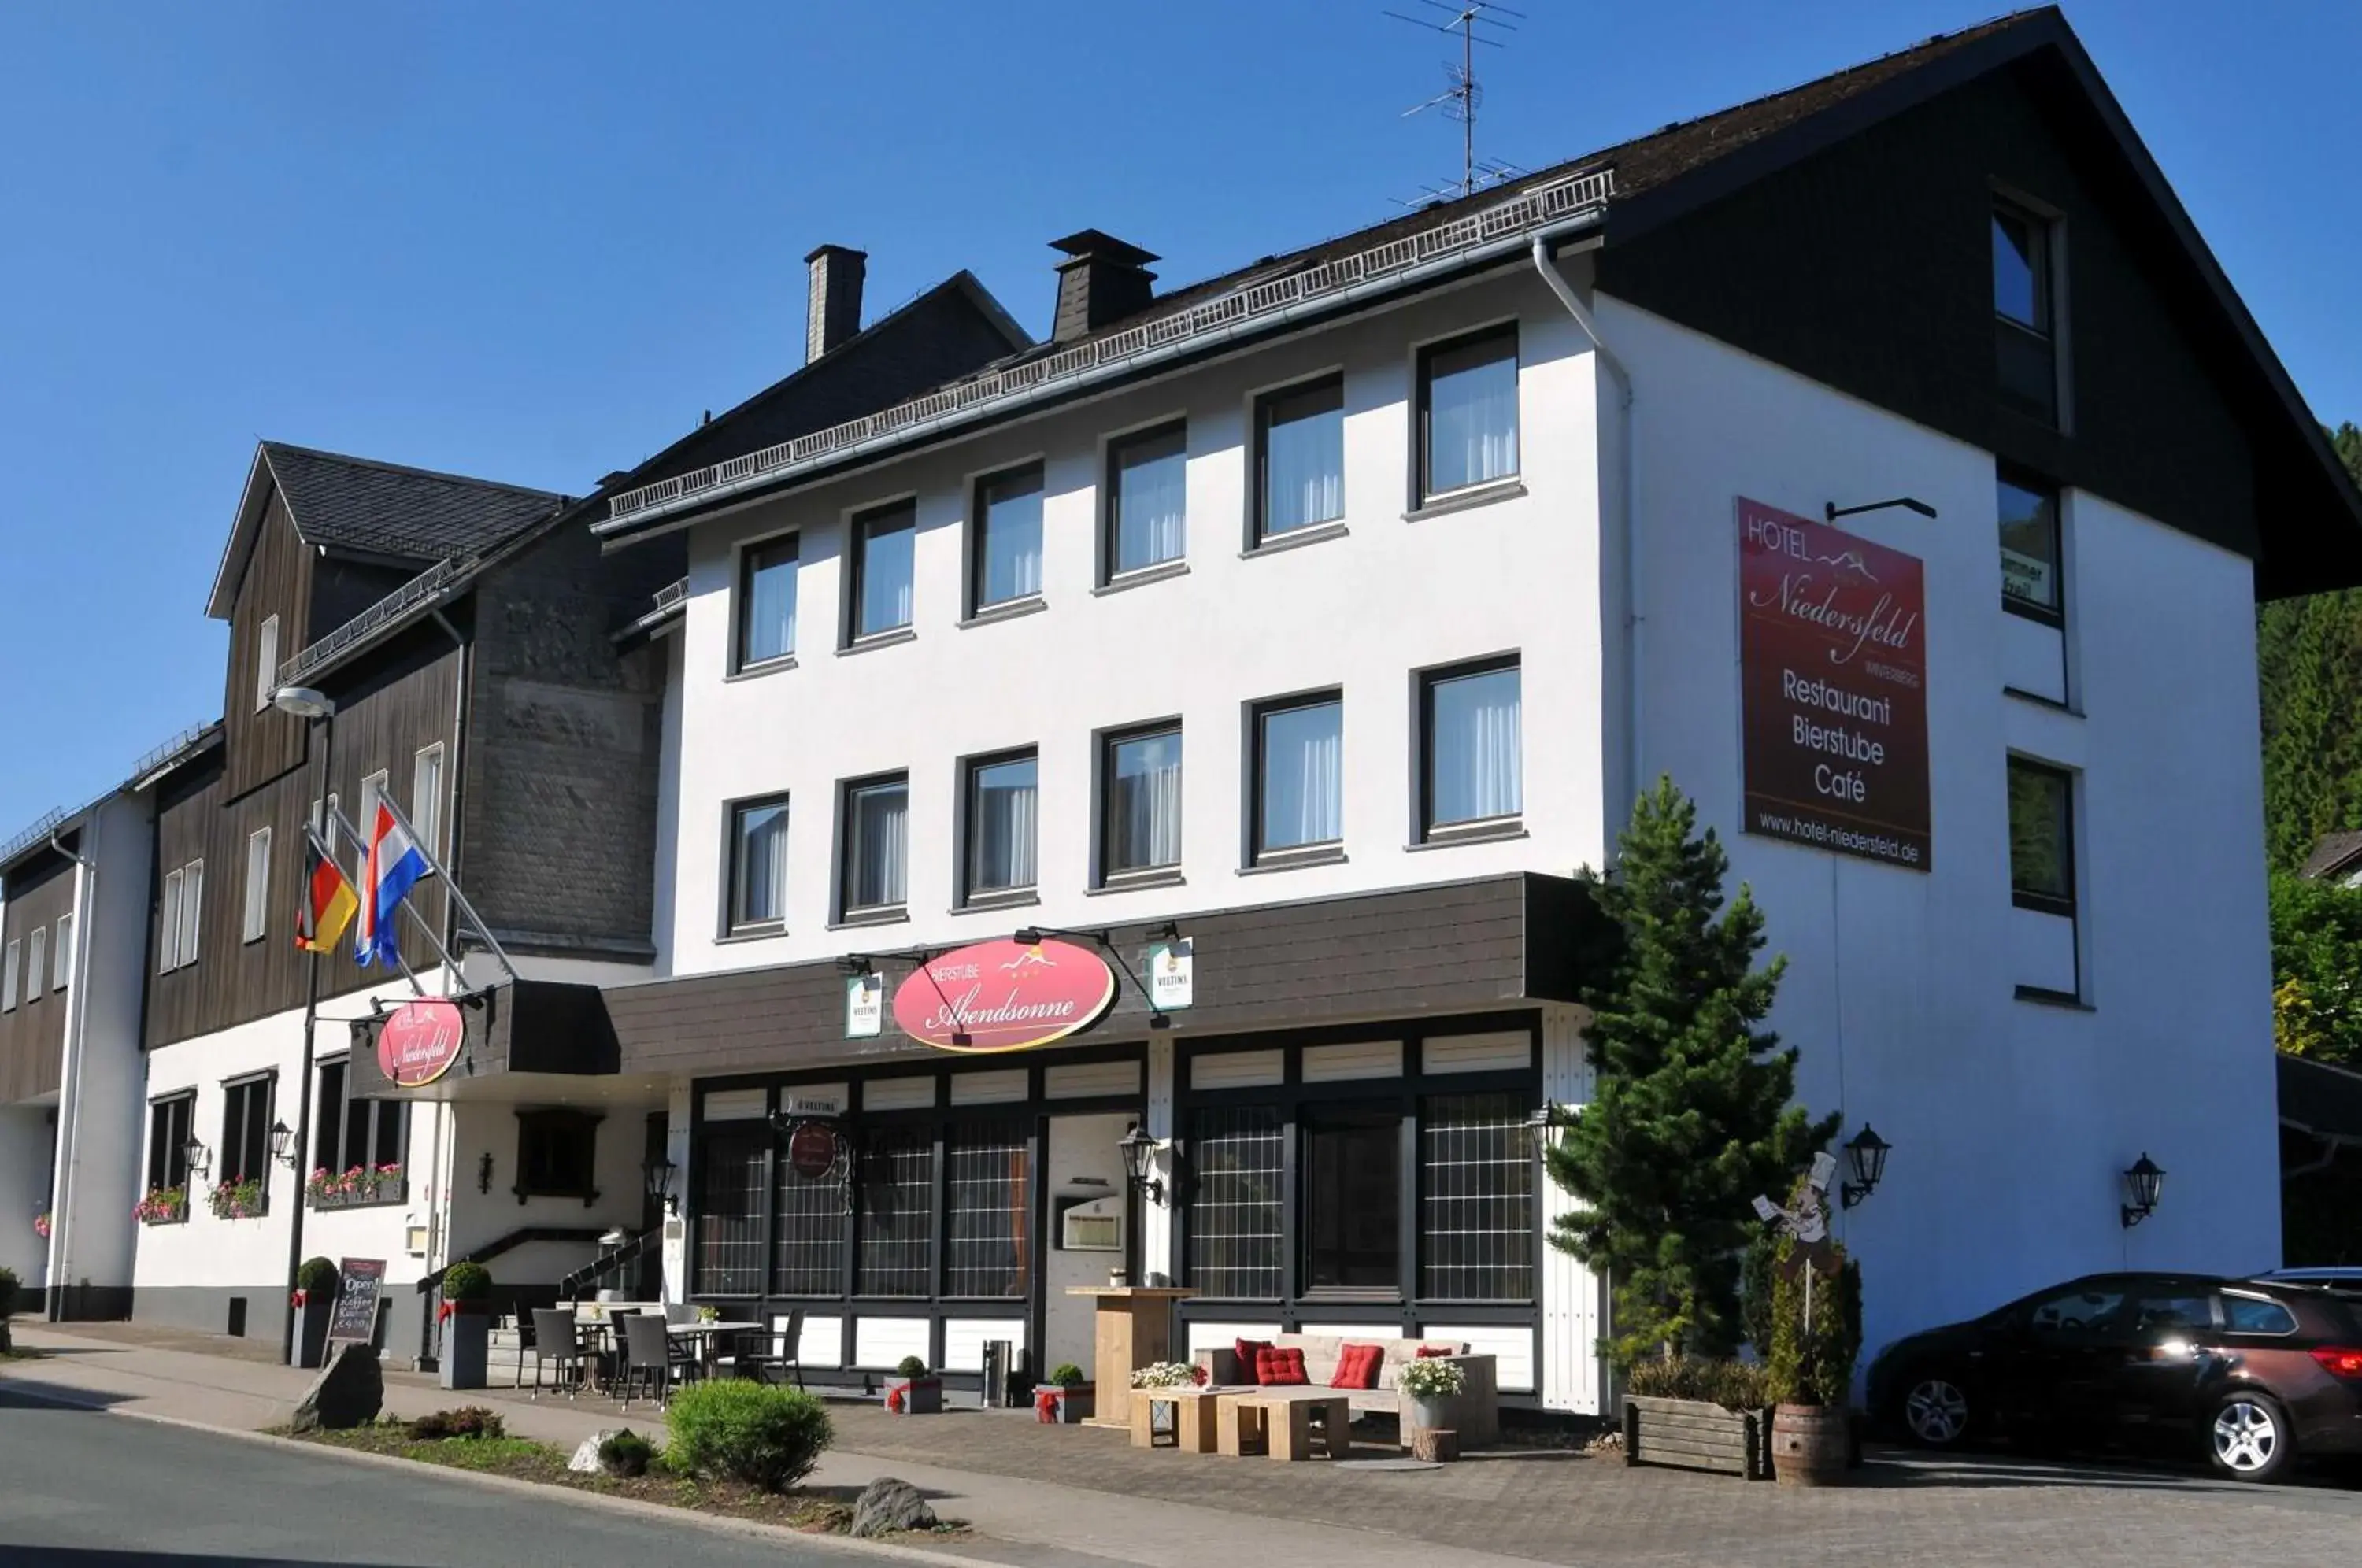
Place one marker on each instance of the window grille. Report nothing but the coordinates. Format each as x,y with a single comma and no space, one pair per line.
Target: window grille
809,1235
898,1212
986,1189
1234,1214
730,1218
1476,1212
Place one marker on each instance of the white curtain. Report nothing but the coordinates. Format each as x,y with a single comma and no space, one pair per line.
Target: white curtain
763,864
1473,418
880,823
1478,761
1303,800
1147,814
1150,503
1012,549
1005,814
885,579
772,612
1304,462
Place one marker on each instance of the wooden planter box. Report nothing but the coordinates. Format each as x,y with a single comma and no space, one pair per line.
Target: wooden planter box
1692,1434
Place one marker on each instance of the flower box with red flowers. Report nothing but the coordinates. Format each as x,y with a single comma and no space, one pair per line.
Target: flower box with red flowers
359,1187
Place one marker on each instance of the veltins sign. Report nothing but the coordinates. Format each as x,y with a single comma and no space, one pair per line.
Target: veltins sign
1833,673
419,1041
1004,996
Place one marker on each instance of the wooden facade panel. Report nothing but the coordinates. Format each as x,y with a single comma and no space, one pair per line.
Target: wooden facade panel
33,1034
262,744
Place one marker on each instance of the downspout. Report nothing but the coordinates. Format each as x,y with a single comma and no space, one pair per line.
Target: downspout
1627,508
63,1210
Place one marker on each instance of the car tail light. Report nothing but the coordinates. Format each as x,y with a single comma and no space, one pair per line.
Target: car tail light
2340,1361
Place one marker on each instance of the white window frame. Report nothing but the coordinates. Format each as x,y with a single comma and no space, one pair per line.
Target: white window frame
193,904
373,788
36,958
426,798
168,923
62,953
266,662
256,924
8,976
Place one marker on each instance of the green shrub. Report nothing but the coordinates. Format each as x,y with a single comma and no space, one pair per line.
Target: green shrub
1733,1385
741,1430
910,1366
9,1290
467,1282
469,1422
625,1453
1066,1375
318,1276
1812,1362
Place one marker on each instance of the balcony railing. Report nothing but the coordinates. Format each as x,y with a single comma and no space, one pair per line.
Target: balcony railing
386,611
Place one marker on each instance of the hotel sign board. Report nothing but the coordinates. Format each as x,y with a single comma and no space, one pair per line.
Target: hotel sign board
1833,678
1004,996
419,1041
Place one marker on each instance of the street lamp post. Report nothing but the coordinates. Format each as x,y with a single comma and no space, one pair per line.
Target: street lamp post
320,709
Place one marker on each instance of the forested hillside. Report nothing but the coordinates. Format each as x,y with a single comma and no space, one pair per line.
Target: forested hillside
2309,658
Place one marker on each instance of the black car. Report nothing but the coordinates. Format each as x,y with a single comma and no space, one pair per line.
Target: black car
2255,1371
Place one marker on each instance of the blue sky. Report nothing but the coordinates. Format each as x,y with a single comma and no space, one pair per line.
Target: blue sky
534,241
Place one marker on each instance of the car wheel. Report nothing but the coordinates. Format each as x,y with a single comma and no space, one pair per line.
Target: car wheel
1934,1410
2248,1437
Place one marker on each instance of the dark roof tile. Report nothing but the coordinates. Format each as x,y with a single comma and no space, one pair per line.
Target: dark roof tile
409,514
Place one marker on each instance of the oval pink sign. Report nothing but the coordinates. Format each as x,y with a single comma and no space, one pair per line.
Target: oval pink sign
419,1041
1004,996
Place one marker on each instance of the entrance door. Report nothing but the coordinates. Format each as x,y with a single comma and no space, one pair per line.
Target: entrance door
1083,1165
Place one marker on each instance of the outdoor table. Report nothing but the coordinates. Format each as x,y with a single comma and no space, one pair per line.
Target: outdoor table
1134,1325
1194,1418
1288,1418
707,1334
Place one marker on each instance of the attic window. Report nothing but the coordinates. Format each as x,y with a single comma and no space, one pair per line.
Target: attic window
266,662
2025,311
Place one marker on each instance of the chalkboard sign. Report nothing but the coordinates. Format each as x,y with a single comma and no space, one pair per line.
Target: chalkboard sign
355,1320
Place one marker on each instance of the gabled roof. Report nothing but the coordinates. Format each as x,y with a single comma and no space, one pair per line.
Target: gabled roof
384,511
2335,852
2319,1099
1650,180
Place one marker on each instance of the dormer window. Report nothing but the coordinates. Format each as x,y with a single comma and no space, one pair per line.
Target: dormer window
2025,311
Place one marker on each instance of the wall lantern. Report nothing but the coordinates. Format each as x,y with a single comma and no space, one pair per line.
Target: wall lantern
1866,1152
657,1172
283,1139
484,1172
1139,1152
2144,1182
196,1159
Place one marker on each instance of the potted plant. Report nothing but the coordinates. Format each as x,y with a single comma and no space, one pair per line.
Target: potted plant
162,1206
912,1391
41,1224
1816,1336
467,1316
1695,1413
1067,1400
314,1302
1428,1385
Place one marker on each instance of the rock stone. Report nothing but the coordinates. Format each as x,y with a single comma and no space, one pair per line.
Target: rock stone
349,1391
886,1505
586,1458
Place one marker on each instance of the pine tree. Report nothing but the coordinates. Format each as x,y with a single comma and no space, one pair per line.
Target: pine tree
2309,668
1689,1117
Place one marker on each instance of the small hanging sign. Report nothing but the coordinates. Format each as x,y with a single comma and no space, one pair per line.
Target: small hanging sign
1171,970
865,1006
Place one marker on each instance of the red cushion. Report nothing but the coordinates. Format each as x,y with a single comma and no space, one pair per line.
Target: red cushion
1427,1351
1246,1351
1280,1366
1357,1366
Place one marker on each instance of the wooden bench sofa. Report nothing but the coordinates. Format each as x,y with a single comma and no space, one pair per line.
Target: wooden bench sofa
1475,1414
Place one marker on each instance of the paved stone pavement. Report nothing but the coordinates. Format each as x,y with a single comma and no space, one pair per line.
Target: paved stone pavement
1085,1495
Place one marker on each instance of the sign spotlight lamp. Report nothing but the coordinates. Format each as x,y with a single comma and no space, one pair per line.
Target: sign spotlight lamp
1866,1154
2144,1182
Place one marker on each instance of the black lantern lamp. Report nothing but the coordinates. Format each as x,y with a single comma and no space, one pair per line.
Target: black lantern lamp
1866,1154
657,1171
1139,1160
196,1158
2144,1182
282,1136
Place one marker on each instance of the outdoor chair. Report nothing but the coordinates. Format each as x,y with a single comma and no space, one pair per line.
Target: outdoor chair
557,1341
783,1351
651,1359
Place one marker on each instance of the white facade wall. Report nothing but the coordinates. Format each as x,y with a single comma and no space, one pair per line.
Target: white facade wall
2010,1120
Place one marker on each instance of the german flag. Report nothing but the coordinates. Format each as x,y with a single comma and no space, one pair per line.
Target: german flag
327,905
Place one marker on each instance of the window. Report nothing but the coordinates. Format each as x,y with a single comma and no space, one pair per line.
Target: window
326,821
169,1123
373,790
985,1204
257,919
1468,412
2029,548
1352,1199
2024,313
1147,520
1001,811
358,1133
8,976
1476,1198
192,903
767,602
1006,556
1470,772
2041,837
898,1212
730,1217
1236,1155
2078,1309
176,925
557,1155
2161,1312
1300,800
2254,1314
266,662
809,1227
426,798
36,958
1140,781
877,842
881,569
1300,458
245,1151
63,976
758,864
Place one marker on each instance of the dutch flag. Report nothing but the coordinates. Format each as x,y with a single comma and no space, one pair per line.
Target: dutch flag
395,864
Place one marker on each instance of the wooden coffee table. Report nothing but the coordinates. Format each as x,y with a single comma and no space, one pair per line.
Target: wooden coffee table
1194,1418
1289,1423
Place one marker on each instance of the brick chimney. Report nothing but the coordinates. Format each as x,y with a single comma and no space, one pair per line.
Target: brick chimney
1103,280
832,307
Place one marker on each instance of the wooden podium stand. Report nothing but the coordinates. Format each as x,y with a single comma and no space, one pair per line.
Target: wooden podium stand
1135,1328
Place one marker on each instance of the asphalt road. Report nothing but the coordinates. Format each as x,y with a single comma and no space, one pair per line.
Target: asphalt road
82,1489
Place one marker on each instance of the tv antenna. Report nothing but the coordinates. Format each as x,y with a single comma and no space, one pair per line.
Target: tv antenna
1467,22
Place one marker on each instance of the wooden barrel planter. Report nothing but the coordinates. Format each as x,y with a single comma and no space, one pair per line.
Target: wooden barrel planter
1811,1445
1696,1434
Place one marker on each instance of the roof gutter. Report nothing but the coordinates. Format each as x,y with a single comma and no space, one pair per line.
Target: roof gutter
667,516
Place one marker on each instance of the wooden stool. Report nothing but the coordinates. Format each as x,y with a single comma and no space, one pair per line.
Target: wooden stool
1239,1426
1195,1416
1437,1445
1143,1411
1291,1424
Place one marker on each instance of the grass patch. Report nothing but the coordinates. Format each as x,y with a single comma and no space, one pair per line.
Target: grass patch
21,1352
819,1510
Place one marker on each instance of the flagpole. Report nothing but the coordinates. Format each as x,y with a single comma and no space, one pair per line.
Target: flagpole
433,936
483,932
329,856
327,723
